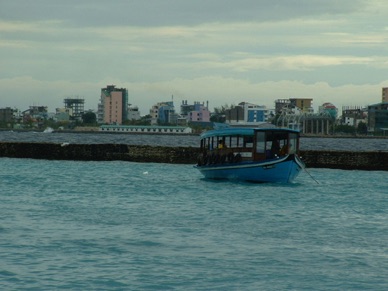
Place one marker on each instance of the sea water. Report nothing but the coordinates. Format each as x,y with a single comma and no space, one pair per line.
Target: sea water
69,225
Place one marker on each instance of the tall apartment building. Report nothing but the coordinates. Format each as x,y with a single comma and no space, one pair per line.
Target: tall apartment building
6,114
113,106
385,95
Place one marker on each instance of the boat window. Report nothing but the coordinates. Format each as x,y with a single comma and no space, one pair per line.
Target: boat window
248,142
204,143
269,145
260,142
209,144
293,142
235,142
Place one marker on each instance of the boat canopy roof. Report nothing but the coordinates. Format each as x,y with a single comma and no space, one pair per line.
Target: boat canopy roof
243,131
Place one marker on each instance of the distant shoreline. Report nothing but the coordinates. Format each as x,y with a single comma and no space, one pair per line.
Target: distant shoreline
184,134
97,132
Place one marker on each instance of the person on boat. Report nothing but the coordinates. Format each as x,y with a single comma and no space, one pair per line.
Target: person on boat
221,144
285,149
222,153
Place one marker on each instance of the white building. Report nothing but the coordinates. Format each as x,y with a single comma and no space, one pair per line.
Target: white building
133,113
248,113
149,129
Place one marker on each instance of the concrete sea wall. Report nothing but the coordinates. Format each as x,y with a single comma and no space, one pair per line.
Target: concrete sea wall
99,152
177,155
373,161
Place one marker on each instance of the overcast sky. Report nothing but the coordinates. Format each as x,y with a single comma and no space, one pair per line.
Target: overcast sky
221,51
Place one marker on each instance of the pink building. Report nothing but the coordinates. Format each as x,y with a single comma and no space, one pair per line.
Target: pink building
113,105
199,113
203,115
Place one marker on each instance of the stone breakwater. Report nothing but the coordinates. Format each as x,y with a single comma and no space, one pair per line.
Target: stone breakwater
99,152
178,155
371,161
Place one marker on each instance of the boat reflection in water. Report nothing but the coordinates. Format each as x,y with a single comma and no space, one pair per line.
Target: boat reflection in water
250,154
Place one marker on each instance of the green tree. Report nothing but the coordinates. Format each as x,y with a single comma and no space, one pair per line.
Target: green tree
144,120
345,129
89,118
219,113
362,128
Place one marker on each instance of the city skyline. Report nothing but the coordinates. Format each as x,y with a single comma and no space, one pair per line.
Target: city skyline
224,52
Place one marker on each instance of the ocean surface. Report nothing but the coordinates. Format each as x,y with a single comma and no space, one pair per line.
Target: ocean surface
69,225
306,143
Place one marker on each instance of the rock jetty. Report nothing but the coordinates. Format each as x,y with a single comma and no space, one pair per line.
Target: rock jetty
177,155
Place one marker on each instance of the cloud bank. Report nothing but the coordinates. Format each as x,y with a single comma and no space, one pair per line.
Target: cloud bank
223,52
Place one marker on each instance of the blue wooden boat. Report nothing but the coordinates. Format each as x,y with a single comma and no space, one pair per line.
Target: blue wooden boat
250,154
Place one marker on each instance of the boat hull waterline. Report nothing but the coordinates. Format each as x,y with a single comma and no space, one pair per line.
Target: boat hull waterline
283,170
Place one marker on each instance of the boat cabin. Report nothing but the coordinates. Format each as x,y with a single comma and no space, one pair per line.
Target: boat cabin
247,144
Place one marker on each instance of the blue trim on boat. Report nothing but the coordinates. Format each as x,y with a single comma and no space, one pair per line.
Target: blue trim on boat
283,170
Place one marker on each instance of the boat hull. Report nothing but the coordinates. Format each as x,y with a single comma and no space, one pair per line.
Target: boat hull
282,170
